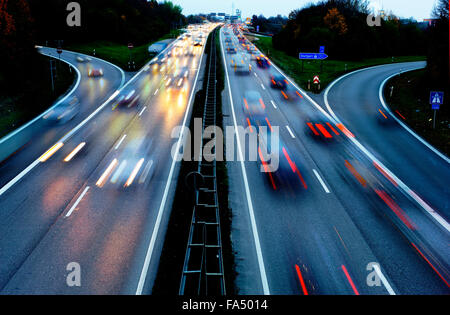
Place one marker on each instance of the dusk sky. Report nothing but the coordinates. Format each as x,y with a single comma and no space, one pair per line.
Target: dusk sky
419,9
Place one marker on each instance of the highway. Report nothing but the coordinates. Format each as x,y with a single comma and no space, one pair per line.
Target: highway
97,192
349,209
355,101
332,208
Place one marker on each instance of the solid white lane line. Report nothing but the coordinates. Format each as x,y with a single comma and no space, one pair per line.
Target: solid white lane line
18,177
415,135
77,83
262,269
273,104
142,111
321,181
335,120
363,149
290,132
77,202
262,85
151,246
384,280
120,142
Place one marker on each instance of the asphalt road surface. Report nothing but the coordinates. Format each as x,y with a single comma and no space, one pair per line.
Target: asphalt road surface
330,212
97,197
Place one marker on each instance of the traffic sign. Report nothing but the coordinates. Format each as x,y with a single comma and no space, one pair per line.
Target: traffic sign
316,79
313,56
322,49
59,50
436,99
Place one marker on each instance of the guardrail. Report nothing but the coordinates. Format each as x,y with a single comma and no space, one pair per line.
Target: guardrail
203,272
16,139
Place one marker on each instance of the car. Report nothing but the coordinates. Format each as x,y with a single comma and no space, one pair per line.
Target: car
198,42
280,166
80,59
240,65
179,77
158,63
254,108
231,50
128,98
262,61
95,72
64,111
277,81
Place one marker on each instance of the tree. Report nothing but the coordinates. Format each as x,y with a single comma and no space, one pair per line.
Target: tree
336,21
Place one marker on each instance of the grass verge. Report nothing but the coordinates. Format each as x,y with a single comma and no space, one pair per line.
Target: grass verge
119,54
36,95
327,72
410,97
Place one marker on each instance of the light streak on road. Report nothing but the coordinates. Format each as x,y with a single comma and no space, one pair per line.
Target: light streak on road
44,157
134,172
352,284
107,172
74,152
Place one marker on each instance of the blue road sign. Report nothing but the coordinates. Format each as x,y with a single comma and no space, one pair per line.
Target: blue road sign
322,49
313,56
436,99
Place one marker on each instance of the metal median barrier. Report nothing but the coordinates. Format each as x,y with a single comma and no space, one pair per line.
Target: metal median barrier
203,272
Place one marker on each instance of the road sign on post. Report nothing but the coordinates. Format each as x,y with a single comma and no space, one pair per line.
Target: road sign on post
436,100
322,49
312,56
316,79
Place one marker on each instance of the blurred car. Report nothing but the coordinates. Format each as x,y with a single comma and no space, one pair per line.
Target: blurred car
198,42
231,50
158,63
128,98
277,81
254,108
179,77
240,64
279,165
80,59
94,72
262,61
64,111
